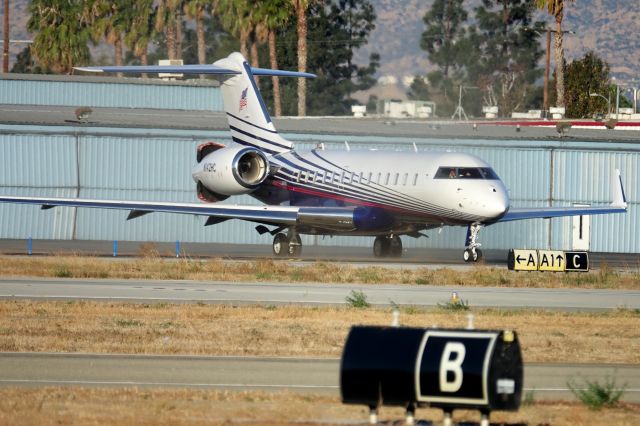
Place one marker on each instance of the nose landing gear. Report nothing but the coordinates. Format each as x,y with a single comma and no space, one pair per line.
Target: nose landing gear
387,246
472,253
287,245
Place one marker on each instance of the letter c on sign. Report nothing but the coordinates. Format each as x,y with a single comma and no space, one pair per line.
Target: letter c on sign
575,263
452,365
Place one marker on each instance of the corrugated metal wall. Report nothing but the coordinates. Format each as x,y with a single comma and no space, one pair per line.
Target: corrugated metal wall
110,92
158,167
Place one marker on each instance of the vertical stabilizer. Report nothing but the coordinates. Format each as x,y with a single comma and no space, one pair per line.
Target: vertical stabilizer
249,120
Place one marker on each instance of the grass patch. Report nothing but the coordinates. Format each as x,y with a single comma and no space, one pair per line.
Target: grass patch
129,323
595,395
454,304
318,331
357,299
153,267
62,272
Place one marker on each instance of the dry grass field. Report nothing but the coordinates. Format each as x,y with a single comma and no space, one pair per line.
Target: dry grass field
267,270
55,405
101,327
202,329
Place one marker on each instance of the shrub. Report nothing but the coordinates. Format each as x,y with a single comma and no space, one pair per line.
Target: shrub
357,299
595,395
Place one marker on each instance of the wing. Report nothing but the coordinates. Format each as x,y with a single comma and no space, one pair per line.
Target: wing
619,205
272,215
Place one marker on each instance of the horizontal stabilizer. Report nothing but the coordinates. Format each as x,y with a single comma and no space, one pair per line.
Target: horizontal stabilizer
191,69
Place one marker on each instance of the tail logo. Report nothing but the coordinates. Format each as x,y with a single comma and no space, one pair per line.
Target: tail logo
243,99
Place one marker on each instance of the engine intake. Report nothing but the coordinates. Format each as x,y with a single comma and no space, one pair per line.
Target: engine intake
225,171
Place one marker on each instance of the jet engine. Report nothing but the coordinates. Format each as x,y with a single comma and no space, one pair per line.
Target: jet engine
223,171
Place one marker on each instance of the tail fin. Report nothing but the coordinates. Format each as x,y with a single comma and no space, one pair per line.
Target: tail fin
249,120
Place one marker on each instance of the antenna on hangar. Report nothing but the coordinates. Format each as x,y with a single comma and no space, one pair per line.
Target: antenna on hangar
459,109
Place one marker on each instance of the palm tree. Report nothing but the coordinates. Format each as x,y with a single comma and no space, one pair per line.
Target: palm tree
301,7
556,9
141,30
166,21
62,34
236,18
111,20
196,10
274,14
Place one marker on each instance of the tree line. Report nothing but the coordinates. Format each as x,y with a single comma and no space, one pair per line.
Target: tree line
493,54
276,32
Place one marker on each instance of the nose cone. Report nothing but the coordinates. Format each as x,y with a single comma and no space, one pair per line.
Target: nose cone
197,172
500,203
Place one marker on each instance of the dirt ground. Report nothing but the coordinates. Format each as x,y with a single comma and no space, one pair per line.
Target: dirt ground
114,406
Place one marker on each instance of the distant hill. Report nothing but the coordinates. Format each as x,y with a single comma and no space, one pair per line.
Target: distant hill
610,27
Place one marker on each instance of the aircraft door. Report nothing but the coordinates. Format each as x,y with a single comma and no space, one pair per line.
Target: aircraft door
581,232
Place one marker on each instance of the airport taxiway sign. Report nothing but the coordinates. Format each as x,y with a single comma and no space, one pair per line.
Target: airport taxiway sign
577,261
523,260
551,260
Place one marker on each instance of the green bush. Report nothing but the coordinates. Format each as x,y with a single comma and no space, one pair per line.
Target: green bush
595,396
457,305
357,299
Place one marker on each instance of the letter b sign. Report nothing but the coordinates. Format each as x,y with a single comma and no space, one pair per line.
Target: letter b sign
451,367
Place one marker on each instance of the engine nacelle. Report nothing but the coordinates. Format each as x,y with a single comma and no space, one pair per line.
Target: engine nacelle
231,171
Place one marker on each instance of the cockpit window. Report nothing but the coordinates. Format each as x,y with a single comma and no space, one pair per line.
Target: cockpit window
466,173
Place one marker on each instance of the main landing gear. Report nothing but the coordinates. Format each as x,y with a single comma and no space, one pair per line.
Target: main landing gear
472,253
287,245
387,246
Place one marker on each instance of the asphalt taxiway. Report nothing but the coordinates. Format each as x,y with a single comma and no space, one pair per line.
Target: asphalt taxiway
151,291
412,257
546,381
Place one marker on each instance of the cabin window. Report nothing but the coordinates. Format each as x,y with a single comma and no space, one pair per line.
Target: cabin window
379,178
415,179
404,179
386,180
395,179
369,178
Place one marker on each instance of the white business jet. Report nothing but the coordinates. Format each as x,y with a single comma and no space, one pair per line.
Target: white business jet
380,194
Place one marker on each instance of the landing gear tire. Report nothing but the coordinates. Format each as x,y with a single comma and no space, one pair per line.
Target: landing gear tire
395,249
295,246
381,246
471,255
387,246
280,245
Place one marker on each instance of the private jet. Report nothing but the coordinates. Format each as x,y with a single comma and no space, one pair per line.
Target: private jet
385,195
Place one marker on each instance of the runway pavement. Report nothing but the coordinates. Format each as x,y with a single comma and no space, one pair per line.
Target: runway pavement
151,291
546,381
412,257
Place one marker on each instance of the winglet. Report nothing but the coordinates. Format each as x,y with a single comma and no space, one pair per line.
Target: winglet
619,198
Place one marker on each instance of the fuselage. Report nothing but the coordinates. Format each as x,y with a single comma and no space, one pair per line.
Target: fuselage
411,189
